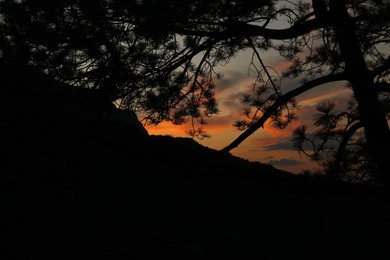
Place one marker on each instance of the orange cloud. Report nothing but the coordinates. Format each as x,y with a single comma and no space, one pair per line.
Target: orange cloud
167,128
282,65
335,95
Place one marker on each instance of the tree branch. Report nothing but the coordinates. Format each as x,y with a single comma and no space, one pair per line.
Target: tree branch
263,65
384,67
248,30
335,166
279,102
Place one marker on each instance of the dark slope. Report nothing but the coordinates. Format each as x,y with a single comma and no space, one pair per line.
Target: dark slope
77,188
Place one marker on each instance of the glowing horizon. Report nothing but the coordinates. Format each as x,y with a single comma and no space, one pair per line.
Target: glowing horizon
268,145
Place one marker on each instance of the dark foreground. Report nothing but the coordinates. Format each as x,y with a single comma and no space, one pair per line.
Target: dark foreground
175,204
72,189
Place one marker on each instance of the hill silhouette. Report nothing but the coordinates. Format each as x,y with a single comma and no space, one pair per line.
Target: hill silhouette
82,181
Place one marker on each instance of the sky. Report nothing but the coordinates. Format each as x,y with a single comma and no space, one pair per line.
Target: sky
267,145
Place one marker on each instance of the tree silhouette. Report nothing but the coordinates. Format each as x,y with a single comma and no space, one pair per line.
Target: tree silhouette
338,144
159,57
108,46
326,41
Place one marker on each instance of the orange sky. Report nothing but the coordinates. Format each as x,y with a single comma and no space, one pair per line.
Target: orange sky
268,145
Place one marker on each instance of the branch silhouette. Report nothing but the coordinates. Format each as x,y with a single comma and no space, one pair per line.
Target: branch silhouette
279,102
335,166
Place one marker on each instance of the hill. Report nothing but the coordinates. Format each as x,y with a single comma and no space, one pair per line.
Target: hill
74,187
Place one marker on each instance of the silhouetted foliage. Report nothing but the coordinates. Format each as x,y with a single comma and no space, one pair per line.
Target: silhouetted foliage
319,51
159,57
112,46
338,144
324,42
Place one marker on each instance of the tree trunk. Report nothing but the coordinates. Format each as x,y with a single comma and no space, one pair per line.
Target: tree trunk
371,115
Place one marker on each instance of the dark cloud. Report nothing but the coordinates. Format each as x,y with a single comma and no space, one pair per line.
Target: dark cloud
283,162
287,145
232,104
284,144
232,78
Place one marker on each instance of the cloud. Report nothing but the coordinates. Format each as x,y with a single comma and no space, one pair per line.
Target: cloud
282,145
283,162
231,78
336,93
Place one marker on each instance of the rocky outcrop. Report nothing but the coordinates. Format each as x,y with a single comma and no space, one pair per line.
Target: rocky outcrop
128,119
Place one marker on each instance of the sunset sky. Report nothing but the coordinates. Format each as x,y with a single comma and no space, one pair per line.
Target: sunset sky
268,145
